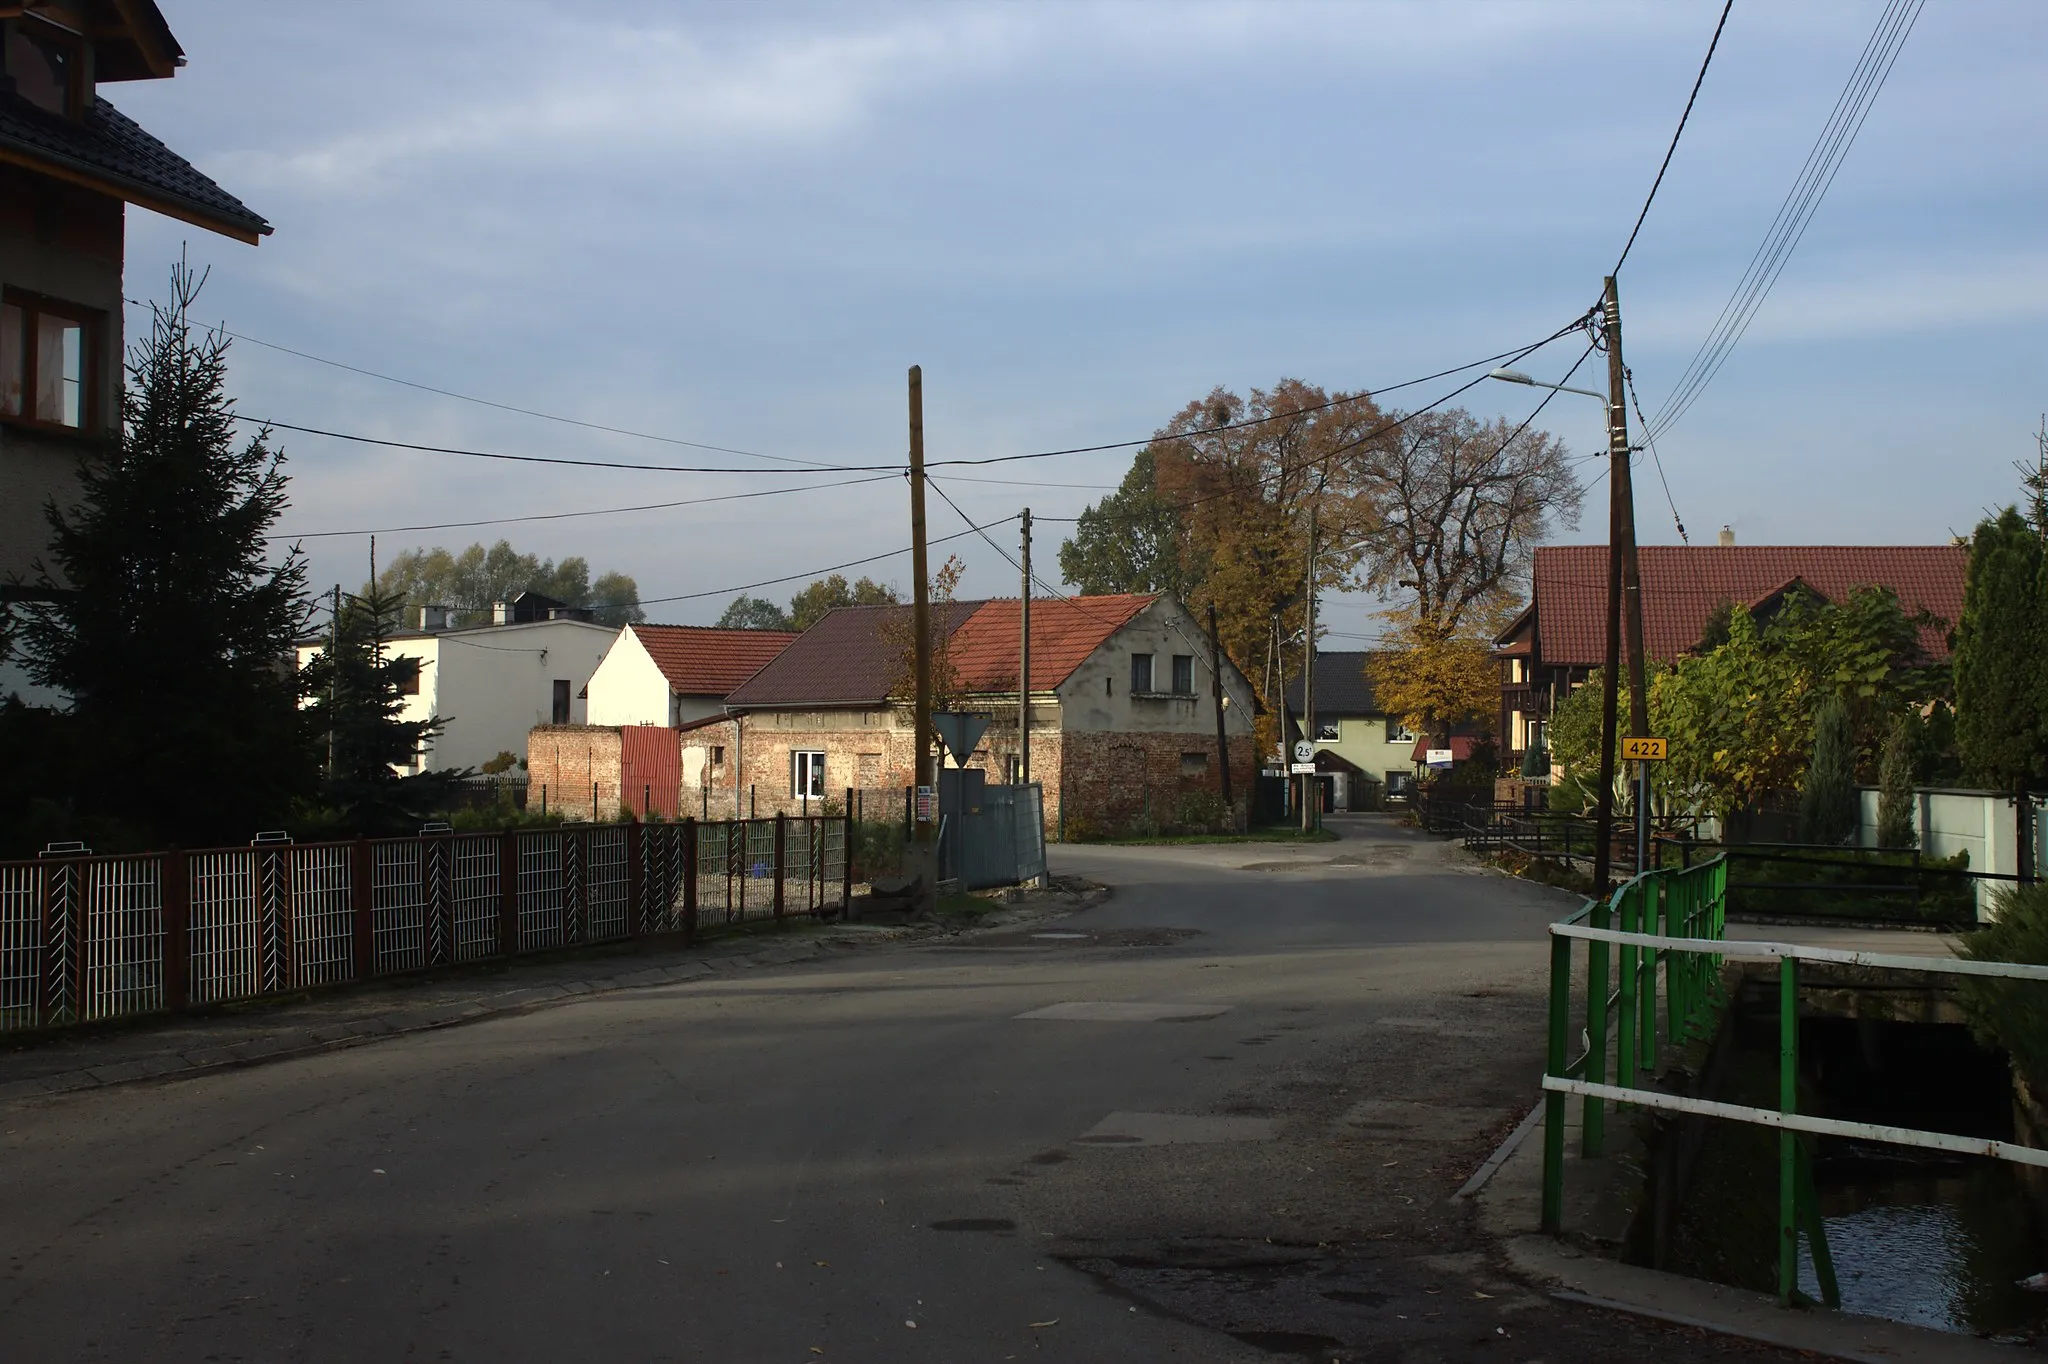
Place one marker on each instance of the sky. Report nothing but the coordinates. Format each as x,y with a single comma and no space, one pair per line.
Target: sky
739,225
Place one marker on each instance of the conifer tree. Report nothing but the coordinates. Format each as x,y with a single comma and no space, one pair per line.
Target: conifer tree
359,688
1828,799
2001,672
1897,822
171,626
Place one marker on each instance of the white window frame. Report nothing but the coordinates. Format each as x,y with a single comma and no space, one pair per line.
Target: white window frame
1335,734
1398,733
807,763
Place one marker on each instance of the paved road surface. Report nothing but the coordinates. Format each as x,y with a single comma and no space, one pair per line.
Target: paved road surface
879,1158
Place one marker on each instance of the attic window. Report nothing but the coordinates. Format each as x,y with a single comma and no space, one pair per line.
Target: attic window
43,66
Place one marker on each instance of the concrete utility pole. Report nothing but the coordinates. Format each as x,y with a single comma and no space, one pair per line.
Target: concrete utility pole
1216,695
333,672
1310,813
1024,664
925,803
1624,589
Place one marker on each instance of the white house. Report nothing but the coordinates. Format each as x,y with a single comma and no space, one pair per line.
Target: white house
493,683
673,674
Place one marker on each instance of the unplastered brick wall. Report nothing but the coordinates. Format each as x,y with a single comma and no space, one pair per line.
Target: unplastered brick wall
574,769
1110,782
868,750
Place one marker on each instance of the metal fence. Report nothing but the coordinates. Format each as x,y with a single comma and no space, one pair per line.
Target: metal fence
85,938
1637,1031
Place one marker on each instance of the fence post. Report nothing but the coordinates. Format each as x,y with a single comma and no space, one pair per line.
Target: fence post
362,884
690,827
1554,1100
1592,1121
1788,1140
637,835
846,871
177,898
508,893
781,846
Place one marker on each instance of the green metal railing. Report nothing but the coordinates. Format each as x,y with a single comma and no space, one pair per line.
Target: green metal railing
1674,918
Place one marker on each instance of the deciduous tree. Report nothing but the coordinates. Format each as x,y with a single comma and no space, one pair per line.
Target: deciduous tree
753,613
472,580
827,594
1435,679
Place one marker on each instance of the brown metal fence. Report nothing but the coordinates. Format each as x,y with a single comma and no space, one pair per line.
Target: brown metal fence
85,938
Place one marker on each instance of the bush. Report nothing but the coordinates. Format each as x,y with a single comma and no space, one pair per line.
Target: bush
877,848
2012,1014
1830,883
1203,812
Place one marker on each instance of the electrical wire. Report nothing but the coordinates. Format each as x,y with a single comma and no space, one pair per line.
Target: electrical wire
1867,79
1629,378
569,515
1675,135
820,572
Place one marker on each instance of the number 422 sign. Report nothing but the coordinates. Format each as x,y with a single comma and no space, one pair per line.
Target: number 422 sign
1642,750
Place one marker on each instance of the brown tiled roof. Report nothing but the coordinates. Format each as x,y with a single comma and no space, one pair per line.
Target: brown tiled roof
702,660
108,149
1683,584
1064,631
846,659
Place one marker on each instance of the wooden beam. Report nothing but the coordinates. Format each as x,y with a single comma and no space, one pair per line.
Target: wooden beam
141,198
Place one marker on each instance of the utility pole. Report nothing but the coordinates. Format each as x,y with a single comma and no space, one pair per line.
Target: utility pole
924,806
1024,664
1216,695
1624,599
1311,815
333,672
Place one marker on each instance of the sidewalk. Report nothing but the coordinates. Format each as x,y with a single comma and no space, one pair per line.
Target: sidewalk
176,1045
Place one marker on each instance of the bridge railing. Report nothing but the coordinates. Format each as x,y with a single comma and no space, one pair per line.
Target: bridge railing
86,938
1675,918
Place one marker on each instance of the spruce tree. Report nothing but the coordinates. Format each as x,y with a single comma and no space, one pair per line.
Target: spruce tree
1897,819
1828,799
2001,670
172,626
359,689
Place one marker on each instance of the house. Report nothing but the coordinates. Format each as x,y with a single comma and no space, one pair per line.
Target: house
70,164
1356,741
673,674
1122,718
491,684
1562,635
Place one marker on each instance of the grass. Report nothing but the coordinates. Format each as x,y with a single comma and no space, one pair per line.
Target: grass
1268,835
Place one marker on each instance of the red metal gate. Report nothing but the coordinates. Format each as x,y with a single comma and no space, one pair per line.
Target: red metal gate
650,771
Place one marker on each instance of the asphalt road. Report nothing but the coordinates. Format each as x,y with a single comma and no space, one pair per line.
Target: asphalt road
876,1158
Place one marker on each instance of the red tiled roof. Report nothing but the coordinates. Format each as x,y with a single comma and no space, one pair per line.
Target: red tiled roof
1683,584
1462,747
701,660
847,659
1064,631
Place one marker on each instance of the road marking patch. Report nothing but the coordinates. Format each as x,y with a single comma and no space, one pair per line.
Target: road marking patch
1116,1011
1174,1129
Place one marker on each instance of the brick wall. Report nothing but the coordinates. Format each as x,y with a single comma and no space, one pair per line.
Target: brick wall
563,762
1108,782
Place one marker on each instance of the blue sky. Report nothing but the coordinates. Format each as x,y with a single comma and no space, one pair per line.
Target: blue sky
740,224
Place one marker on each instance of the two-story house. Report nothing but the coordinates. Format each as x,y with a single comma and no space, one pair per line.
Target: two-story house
70,164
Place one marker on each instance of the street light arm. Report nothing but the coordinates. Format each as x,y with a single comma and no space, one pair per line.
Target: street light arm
1515,376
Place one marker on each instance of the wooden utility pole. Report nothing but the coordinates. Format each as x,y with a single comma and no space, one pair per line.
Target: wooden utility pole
1310,814
926,800
333,672
1216,696
1024,664
1624,600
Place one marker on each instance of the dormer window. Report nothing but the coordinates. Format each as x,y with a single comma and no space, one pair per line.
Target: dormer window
45,66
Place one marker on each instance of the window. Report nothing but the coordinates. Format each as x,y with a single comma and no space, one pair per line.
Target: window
1329,731
1518,671
807,773
1183,674
1194,764
46,352
1141,673
408,676
718,755
1397,783
561,700
43,66
1398,733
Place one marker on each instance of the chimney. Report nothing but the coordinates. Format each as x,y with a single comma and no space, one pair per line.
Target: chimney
434,618
1727,537
501,613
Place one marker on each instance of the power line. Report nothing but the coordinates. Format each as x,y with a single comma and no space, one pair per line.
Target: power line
820,572
223,330
595,511
1677,133
561,459
1873,68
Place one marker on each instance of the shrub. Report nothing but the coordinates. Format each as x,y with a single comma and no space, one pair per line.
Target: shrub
2012,1014
1202,812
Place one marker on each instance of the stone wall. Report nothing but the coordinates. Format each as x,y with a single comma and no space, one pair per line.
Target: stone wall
564,762
1112,783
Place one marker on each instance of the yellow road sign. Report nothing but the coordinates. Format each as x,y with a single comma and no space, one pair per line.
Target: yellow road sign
1641,750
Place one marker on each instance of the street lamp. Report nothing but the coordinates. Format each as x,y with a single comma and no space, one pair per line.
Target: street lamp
1515,376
